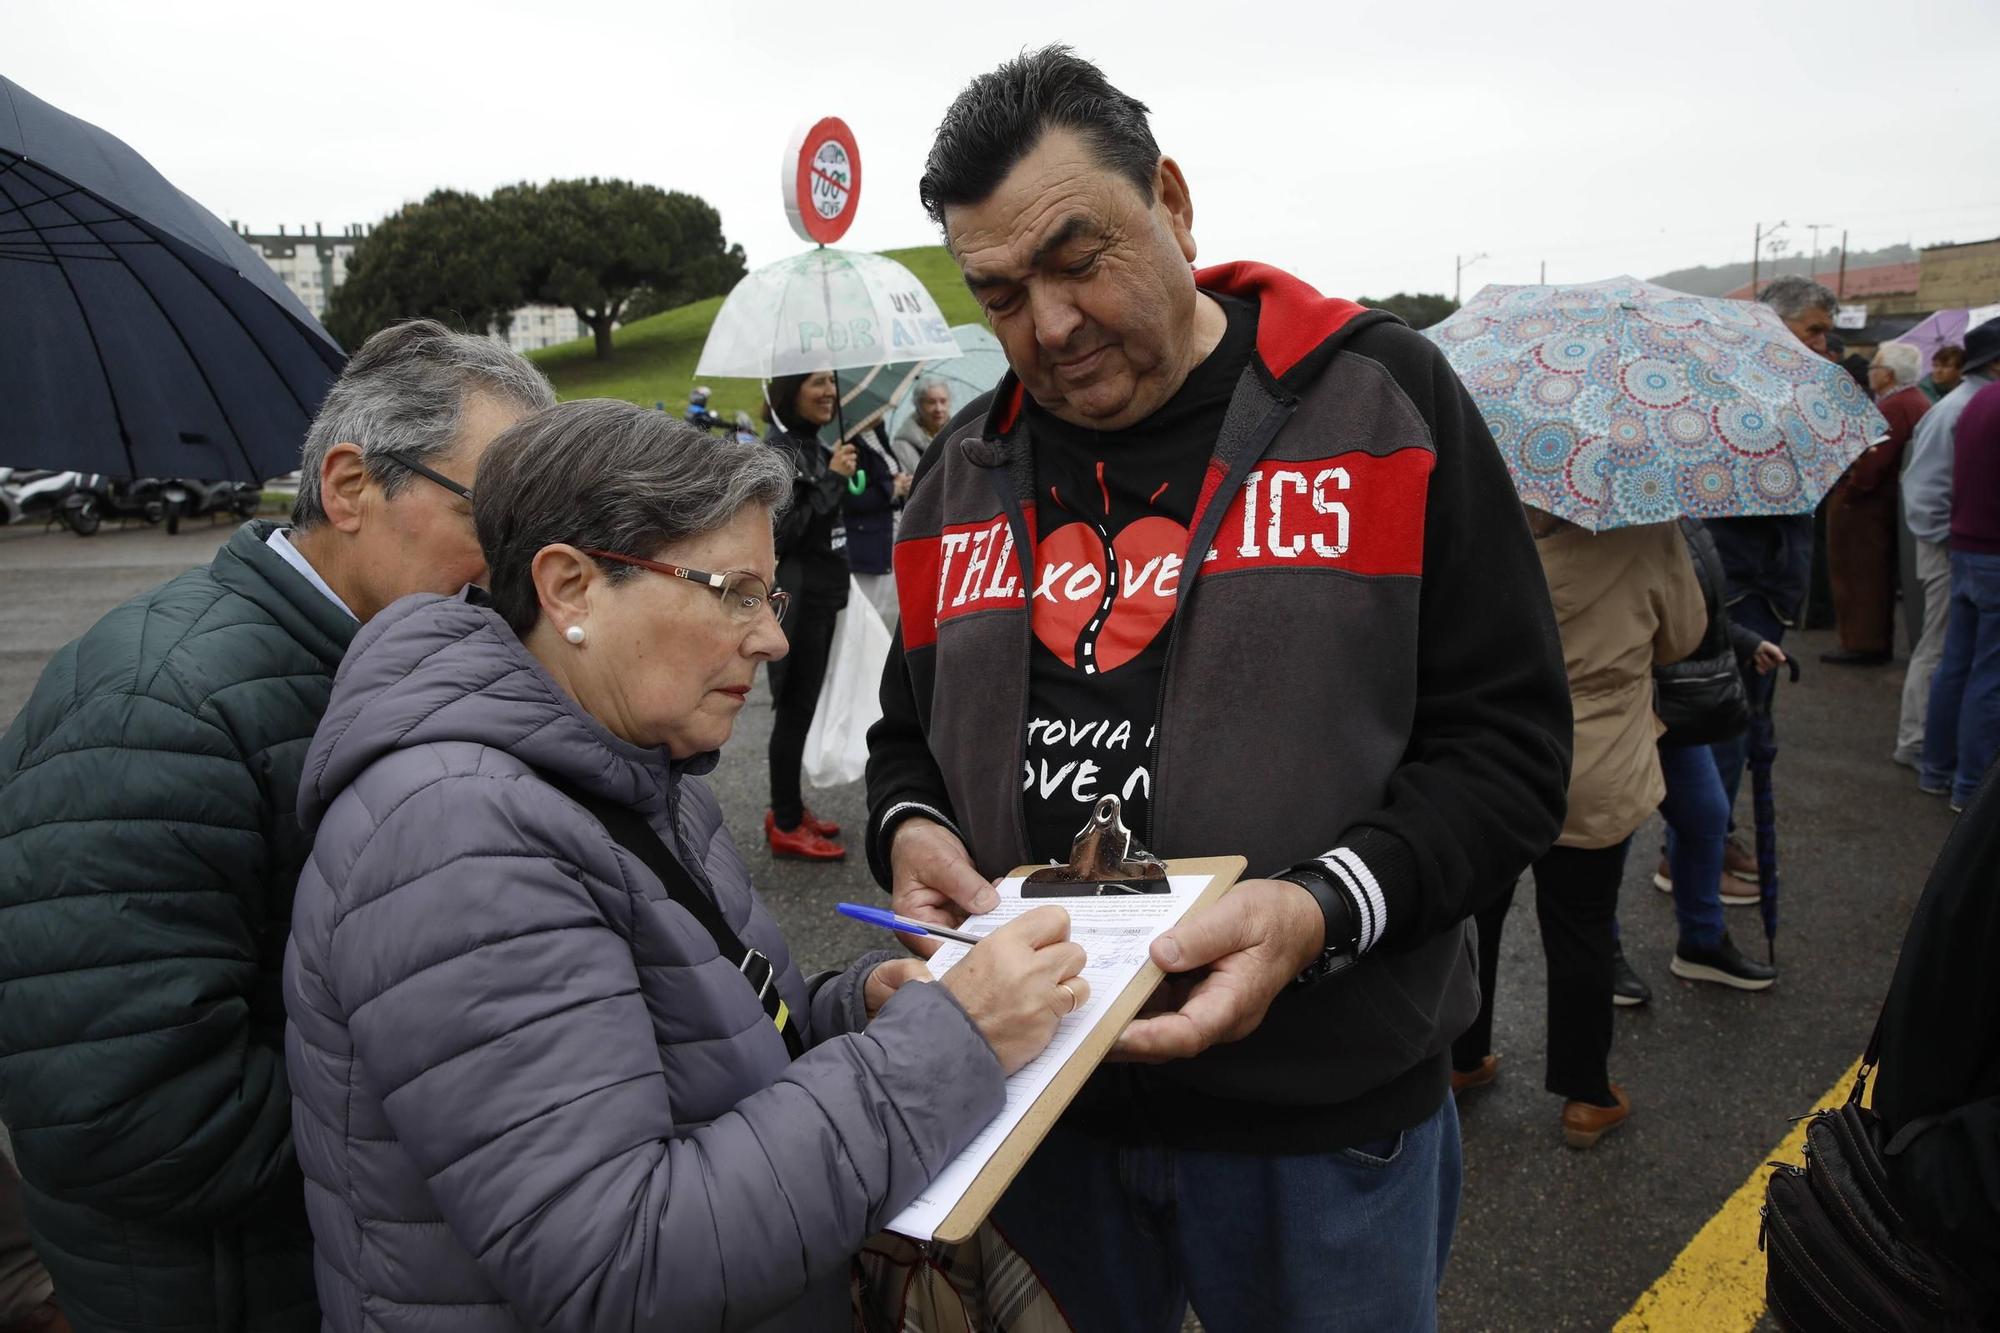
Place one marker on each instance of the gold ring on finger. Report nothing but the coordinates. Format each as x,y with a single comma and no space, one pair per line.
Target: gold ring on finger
1073,1001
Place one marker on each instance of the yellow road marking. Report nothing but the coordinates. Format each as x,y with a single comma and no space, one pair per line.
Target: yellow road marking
1716,1285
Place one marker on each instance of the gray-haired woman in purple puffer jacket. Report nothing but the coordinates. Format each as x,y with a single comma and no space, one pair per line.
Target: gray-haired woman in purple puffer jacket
530,1089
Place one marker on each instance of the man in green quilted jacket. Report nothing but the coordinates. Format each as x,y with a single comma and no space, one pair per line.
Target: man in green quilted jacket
148,854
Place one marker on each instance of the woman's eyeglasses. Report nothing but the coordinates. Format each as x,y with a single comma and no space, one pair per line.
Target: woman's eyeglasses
743,594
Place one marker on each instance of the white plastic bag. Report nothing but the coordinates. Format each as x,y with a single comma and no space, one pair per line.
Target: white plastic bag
850,698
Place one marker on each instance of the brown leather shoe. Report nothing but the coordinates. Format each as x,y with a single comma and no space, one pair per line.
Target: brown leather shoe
802,842
1584,1124
1489,1069
1739,861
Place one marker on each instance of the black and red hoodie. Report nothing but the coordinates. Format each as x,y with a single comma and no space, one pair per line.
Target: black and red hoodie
1362,669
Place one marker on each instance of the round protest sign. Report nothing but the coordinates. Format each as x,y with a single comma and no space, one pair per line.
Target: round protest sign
822,180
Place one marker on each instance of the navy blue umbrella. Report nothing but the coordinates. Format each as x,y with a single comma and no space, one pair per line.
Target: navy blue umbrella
139,335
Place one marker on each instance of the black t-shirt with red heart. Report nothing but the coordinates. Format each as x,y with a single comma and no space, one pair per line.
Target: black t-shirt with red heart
1113,512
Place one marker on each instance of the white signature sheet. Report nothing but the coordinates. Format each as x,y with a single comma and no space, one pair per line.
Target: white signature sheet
1116,933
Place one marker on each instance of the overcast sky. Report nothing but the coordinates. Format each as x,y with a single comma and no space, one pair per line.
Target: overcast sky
1359,145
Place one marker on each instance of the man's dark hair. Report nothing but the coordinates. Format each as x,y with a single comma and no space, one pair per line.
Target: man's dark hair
1001,116
1951,354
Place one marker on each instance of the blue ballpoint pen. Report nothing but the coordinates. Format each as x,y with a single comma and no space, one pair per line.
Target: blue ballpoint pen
888,920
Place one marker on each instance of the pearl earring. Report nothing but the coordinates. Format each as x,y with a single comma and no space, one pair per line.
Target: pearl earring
574,634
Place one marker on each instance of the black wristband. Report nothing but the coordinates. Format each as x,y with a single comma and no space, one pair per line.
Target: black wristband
1336,905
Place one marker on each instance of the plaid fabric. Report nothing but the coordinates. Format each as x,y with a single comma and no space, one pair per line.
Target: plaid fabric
981,1286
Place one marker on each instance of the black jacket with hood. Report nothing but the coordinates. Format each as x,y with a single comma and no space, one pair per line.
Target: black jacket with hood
1363,666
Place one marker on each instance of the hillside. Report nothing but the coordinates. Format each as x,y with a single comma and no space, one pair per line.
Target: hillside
1722,279
653,359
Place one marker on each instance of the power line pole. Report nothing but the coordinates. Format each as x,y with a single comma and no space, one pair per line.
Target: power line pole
1816,228
1545,273
1757,254
1461,264
1840,288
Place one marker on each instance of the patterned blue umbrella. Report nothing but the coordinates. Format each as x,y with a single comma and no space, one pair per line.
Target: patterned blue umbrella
1618,403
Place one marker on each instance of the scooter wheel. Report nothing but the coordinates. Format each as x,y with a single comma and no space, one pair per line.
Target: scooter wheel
84,519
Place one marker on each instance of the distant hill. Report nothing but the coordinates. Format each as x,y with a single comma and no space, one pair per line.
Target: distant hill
653,359
1723,279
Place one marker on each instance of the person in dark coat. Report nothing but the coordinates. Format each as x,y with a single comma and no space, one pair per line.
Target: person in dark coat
532,1089
1696,811
874,494
149,852
1768,559
1864,512
812,566
1940,1057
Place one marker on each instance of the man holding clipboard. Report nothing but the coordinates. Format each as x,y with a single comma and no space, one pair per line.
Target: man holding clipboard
1247,558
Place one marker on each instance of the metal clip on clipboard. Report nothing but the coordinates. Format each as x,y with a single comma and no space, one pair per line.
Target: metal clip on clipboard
1104,859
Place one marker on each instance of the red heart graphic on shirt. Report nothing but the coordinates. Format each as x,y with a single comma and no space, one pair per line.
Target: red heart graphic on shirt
1100,624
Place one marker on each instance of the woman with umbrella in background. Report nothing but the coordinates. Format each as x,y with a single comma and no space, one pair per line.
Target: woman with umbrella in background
812,566
1618,407
1626,600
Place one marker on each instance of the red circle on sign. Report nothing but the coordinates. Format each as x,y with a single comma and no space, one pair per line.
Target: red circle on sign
826,182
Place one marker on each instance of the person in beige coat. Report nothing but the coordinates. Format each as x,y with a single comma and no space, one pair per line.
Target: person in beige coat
1626,600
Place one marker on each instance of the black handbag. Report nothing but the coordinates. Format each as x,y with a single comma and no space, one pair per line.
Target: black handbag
1839,1255
1701,700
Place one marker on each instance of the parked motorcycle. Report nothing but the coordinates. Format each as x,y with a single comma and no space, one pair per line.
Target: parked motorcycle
133,497
70,498
187,497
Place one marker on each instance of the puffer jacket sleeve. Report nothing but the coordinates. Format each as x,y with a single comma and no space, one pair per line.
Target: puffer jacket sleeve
514,1055
839,1001
130,1074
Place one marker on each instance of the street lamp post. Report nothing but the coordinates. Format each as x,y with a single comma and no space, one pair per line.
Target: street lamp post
1461,263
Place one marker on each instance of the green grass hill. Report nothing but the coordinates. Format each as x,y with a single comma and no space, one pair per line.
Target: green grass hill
653,359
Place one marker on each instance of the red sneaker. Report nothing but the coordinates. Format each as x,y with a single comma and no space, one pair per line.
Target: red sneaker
801,842
826,828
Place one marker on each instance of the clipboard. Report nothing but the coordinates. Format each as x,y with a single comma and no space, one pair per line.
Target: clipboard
1013,1153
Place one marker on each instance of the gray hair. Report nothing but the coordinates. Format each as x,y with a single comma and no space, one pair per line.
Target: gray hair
404,391
610,475
1901,359
1792,295
929,382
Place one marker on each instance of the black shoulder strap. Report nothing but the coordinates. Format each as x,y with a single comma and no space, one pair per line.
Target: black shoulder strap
630,830
1868,1057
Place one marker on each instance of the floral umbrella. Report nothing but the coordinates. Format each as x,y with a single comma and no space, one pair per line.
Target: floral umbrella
1618,403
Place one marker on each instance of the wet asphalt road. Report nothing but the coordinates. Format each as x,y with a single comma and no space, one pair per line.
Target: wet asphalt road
1547,1238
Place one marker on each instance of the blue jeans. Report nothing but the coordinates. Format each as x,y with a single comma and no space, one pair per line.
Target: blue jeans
1697,815
1755,615
1126,1237
1962,725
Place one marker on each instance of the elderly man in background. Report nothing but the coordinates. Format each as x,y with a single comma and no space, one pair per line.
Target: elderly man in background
1927,508
915,435
1947,368
1768,561
149,852
1862,516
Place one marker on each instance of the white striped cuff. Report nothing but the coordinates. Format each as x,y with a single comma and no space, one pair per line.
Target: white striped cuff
1352,873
